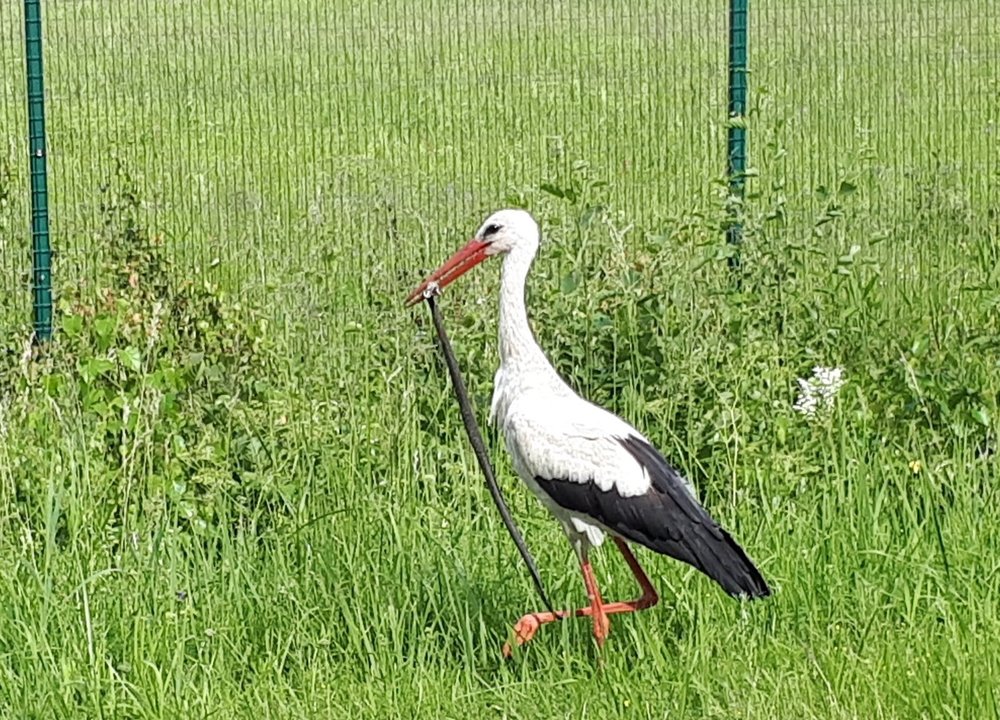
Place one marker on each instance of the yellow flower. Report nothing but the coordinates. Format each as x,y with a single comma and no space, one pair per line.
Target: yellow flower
916,466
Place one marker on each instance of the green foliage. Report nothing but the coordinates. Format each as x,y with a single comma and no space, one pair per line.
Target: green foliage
169,382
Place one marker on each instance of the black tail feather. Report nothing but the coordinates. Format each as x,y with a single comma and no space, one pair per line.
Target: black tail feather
721,558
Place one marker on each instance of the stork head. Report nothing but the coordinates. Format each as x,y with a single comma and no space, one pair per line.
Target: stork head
502,232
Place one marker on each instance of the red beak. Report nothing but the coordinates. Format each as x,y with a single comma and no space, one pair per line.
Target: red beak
457,265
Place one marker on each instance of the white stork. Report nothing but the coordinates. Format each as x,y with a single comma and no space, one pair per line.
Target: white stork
594,472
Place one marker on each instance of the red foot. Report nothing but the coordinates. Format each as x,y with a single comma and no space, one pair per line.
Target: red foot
525,629
529,624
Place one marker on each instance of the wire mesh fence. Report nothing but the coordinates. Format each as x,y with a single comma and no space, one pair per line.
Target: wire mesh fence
908,85
272,138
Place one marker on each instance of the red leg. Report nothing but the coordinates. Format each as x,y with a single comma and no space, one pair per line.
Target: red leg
649,596
601,623
528,625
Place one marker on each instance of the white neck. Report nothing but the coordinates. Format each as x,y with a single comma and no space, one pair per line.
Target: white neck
517,343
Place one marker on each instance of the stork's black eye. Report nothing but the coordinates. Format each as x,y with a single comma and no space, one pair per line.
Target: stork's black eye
491,229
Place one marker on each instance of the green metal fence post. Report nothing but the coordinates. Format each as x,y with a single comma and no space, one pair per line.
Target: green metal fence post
736,164
41,251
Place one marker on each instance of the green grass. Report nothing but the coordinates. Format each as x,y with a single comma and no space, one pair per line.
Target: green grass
286,521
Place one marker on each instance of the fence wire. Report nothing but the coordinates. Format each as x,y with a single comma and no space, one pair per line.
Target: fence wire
262,133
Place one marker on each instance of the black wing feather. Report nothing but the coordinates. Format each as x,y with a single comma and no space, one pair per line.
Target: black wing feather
667,519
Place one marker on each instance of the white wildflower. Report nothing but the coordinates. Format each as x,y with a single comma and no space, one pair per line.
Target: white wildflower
816,395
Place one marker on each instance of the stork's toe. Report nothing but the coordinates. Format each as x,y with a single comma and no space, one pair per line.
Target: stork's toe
524,630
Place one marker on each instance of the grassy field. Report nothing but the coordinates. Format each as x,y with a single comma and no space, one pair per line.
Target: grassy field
237,484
